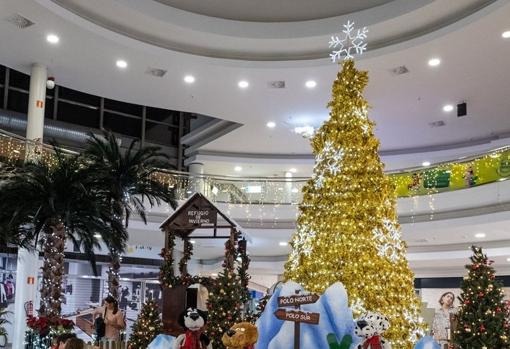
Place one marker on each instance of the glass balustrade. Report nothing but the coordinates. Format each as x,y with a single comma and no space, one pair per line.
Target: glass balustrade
449,176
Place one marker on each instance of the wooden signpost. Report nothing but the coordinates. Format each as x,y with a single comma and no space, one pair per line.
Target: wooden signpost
297,316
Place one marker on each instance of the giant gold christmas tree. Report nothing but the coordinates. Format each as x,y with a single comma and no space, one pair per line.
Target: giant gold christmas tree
347,229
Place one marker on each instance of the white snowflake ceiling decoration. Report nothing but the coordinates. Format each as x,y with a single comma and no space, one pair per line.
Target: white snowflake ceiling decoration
351,42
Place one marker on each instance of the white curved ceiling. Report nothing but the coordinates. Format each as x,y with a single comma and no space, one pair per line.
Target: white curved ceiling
474,69
273,10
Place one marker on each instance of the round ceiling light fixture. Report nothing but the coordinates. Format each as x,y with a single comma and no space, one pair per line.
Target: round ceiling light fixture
271,124
189,79
425,163
434,62
292,170
283,243
243,84
506,34
122,64
52,39
480,235
238,168
448,108
311,84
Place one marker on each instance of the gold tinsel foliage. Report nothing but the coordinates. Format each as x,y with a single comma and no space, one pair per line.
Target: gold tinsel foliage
347,228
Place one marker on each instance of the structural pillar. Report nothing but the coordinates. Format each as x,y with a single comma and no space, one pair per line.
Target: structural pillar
196,170
28,262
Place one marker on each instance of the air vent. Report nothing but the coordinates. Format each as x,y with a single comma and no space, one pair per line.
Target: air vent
19,21
400,70
439,123
276,84
159,73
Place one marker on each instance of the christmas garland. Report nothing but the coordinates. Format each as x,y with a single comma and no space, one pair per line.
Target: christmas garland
167,277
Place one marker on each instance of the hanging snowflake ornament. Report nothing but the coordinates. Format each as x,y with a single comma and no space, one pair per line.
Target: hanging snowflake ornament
352,41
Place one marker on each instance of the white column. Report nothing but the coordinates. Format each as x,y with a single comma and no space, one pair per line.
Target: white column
28,263
196,170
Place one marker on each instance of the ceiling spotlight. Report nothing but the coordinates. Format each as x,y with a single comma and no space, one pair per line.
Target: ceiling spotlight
448,108
310,84
283,243
271,124
238,168
243,84
52,39
425,163
122,64
434,62
506,34
508,259
189,79
192,241
480,235
292,170
295,190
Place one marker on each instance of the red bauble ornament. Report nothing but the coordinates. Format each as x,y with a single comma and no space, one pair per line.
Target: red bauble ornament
481,294
467,301
482,328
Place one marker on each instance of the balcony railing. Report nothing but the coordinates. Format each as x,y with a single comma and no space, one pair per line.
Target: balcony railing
449,176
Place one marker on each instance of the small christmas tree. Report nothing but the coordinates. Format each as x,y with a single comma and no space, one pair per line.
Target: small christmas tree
147,326
229,294
482,319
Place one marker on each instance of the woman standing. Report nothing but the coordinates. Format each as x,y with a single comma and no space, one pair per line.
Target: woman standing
442,327
113,318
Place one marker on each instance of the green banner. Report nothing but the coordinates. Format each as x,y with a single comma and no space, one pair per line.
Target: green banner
453,176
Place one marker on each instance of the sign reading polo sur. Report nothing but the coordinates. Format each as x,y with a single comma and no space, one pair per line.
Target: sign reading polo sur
199,215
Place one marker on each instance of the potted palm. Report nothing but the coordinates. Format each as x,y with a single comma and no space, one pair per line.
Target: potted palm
50,202
127,182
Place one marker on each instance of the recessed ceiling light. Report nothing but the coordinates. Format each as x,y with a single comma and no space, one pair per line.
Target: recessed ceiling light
508,259
52,39
295,190
310,84
425,163
283,243
434,62
506,34
192,241
271,124
238,168
448,108
288,174
292,170
189,79
480,235
121,64
243,84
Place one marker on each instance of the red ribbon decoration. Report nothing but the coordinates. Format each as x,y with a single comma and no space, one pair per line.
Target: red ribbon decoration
192,340
373,342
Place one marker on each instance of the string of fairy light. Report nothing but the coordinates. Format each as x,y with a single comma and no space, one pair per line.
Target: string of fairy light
260,192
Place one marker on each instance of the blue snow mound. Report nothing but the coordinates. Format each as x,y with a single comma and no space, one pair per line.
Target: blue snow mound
162,341
335,317
427,342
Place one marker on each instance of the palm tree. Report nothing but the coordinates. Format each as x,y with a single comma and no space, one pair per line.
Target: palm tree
58,201
128,181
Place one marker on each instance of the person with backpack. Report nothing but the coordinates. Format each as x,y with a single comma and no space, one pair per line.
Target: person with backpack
108,320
